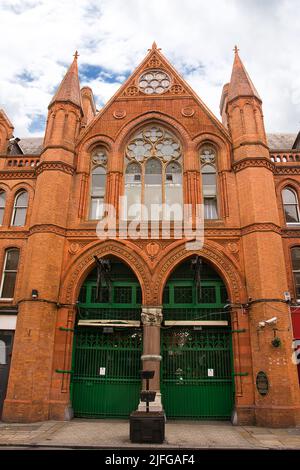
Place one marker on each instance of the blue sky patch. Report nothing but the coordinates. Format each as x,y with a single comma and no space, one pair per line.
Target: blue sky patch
91,72
38,123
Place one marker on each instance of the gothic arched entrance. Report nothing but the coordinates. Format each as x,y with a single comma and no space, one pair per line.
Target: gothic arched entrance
107,344
196,347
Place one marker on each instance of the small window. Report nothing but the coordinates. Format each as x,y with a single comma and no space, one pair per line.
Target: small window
97,193
9,273
98,182
296,270
209,188
20,209
290,205
2,205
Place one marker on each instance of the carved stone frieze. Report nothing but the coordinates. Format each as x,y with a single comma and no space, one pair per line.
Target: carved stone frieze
253,162
56,166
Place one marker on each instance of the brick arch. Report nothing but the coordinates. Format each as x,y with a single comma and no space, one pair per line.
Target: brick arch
147,118
219,260
85,262
85,147
222,147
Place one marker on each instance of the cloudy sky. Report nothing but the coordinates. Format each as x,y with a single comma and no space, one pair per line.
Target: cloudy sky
38,39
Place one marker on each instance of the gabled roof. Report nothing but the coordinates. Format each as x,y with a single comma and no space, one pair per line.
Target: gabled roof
69,89
240,82
155,59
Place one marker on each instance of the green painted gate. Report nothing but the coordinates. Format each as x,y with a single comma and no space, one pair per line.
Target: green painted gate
117,356
107,359
197,375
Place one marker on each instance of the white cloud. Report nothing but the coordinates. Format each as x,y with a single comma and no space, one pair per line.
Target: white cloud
38,39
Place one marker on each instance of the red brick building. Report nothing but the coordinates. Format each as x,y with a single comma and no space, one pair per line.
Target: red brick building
81,336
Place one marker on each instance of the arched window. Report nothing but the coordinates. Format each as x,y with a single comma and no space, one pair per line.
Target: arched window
9,273
209,182
155,155
290,205
2,205
20,209
296,270
98,182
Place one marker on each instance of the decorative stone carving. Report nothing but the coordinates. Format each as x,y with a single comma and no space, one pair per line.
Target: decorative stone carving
187,112
261,227
73,248
233,247
18,174
56,166
154,61
99,156
119,114
208,155
177,89
152,249
253,162
151,316
131,91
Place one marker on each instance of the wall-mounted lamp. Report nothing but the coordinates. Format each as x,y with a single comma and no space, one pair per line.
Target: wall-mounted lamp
34,294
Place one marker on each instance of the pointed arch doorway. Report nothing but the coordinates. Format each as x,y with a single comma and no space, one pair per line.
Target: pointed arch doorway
197,380
107,346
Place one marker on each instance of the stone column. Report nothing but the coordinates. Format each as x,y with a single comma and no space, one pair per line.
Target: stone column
151,318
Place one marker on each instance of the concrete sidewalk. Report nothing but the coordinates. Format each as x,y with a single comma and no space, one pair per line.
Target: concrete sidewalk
114,434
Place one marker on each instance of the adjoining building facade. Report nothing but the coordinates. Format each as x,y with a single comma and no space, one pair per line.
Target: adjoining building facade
81,314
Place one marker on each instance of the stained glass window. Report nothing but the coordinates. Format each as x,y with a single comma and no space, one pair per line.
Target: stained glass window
153,174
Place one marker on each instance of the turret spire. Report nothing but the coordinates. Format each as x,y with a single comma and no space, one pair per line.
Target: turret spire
69,89
240,82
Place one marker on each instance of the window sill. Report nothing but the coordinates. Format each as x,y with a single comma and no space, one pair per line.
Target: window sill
4,300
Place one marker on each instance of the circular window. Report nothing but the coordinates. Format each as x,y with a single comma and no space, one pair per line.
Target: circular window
154,82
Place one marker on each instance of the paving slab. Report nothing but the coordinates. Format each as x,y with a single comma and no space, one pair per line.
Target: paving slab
114,434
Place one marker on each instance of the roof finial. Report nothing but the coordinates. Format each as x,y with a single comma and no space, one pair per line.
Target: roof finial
236,50
154,47
76,55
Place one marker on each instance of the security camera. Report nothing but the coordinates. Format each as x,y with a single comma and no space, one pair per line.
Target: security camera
272,321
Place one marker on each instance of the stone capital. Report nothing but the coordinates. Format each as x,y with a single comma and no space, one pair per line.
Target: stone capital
151,315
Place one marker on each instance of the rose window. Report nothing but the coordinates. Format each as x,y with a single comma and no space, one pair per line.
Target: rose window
154,82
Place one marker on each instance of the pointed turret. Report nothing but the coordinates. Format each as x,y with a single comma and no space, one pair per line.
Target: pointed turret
69,89
65,110
240,82
241,110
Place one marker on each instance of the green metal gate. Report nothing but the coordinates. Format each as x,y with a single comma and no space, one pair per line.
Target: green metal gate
106,380
196,347
107,357
196,373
